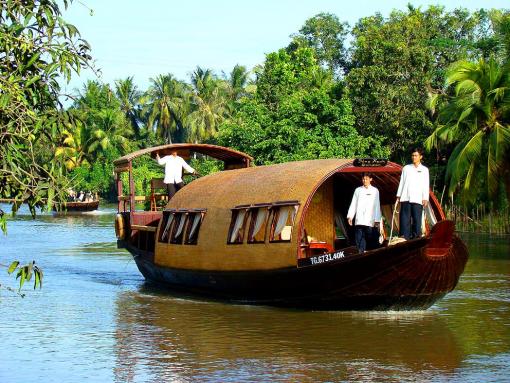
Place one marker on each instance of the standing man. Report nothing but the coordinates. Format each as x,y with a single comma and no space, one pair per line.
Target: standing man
173,172
413,195
365,206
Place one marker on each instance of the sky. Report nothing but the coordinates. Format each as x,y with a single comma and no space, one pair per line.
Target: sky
147,38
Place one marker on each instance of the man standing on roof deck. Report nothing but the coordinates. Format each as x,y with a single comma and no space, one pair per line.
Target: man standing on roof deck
365,206
173,171
413,195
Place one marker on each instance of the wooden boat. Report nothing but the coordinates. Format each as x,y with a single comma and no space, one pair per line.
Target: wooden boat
276,235
77,206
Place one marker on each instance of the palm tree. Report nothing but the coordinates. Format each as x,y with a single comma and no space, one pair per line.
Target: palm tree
129,97
73,150
209,105
237,82
113,131
476,118
165,105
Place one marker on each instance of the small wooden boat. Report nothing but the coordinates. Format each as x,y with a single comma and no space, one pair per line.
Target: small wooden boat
77,206
276,235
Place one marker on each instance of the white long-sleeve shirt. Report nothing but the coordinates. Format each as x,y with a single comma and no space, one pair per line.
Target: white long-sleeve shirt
414,184
173,168
365,206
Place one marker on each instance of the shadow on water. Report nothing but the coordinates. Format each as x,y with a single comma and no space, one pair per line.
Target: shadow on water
179,338
465,337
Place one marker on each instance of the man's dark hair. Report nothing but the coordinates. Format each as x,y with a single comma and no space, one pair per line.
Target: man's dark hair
418,150
368,174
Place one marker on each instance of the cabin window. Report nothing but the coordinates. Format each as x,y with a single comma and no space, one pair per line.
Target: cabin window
193,227
258,223
166,226
282,222
178,228
237,225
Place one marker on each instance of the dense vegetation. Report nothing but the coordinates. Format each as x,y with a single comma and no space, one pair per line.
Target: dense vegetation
417,76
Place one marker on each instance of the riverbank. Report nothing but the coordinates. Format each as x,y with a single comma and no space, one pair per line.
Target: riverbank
479,219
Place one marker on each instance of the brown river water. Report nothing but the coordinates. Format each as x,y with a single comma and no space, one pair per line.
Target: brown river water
96,320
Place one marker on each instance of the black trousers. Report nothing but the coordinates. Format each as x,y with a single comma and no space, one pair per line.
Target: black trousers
410,220
366,237
173,188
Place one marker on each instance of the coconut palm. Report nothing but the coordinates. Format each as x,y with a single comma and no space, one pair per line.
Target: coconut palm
476,118
165,105
209,105
113,131
129,97
237,82
73,150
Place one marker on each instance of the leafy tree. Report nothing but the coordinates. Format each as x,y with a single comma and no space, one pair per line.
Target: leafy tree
501,21
397,62
304,117
37,49
325,34
284,73
97,176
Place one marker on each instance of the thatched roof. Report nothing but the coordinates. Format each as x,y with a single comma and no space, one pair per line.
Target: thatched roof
287,181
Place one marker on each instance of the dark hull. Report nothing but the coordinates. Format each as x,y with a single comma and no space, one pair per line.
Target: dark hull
77,206
407,276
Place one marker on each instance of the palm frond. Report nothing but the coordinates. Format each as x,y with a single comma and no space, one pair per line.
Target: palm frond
465,153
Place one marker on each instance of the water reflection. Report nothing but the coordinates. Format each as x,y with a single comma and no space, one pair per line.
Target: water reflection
95,320
179,339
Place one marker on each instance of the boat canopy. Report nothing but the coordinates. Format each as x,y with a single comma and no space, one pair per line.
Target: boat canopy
287,181
233,159
304,187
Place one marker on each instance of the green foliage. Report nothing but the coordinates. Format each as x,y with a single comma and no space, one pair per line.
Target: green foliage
129,97
397,62
475,117
204,166
164,105
25,273
325,34
37,49
298,113
209,104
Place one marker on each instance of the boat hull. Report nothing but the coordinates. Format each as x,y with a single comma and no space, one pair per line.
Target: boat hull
406,276
77,206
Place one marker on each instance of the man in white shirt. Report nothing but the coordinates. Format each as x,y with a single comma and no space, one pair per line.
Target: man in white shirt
173,172
413,195
365,206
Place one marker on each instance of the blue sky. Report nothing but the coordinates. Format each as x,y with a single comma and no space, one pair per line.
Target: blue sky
147,38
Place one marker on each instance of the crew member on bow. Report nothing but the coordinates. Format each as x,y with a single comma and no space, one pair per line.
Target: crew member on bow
366,209
413,195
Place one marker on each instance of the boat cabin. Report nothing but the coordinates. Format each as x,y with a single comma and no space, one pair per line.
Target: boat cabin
256,218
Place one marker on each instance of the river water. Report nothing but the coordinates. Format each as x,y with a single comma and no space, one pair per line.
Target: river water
95,320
